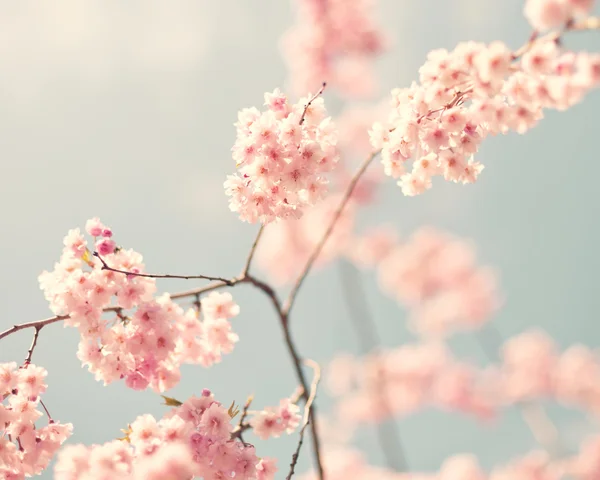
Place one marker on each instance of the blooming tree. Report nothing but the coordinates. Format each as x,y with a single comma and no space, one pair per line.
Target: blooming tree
293,178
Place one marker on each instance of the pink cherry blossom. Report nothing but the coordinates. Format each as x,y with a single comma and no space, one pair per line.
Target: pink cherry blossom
282,155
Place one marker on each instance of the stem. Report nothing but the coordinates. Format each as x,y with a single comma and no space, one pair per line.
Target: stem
297,362
313,98
105,266
347,195
307,415
590,23
252,251
36,334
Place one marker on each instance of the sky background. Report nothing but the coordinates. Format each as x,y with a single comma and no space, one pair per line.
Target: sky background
125,110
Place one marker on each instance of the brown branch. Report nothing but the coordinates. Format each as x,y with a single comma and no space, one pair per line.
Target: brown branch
42,323
242,427
105,266
366,331
307,415
252,251
208,288
297,362
36,334
219,282
37,324
590,23
46,410
312,99
338,213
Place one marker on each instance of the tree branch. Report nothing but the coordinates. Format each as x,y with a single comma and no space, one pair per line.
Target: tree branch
366,331
36,334
590,23
347,195
297,362
313,98
252,251
307,414
42,323
105,266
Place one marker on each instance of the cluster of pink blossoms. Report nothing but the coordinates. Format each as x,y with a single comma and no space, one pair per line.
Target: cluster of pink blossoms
147,346
346,464
434,275
403,380
25,450
193,440
343,463
335,41
532,368
547,14
282,155
471,92
274,421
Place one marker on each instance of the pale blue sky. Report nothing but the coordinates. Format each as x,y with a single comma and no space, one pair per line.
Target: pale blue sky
125,111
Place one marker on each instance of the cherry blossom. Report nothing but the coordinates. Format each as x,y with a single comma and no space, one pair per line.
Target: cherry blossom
282,155
144,347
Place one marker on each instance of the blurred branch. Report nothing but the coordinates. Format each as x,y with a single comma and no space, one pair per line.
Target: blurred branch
338,213
365,327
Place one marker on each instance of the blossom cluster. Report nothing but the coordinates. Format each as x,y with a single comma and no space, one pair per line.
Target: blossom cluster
26,449
548,14
405,379
348,464
282,155
272,422
470,92
147,346
533,368
194,439
344,463
401,380
336,41
434,275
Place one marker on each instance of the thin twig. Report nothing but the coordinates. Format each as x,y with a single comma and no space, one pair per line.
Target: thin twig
366,332
105,266
347,195
296,361
42,323
242,427
46,410
208,288
590,23
307,414
36,334
252,251
312,99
